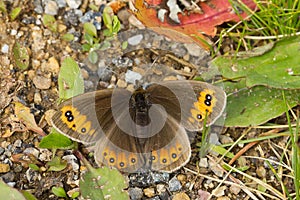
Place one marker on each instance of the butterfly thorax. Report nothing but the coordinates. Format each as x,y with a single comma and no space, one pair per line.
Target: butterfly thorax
139,108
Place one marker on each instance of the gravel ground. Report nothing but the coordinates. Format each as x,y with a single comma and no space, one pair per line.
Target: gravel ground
36,88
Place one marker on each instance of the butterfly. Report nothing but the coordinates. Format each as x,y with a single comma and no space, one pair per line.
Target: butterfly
144,129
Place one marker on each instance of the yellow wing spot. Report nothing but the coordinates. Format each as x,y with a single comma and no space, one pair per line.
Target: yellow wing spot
174,154
164,156
111,158
85,128
122,161
204,106
68,115
132,159
154,156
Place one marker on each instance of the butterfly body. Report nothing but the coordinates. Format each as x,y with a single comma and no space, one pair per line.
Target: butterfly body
145,129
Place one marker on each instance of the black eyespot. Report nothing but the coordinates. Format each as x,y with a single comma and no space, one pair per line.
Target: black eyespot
70,118
74,126
133,160
68,113
199,116
164,160
179,149
174,155
208,103
122,164
208,97
111,160
152,158
83,130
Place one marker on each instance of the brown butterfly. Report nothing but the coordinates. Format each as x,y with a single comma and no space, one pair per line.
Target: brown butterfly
144,129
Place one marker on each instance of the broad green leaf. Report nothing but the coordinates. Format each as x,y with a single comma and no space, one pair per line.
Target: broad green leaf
257,105
278,68
15,13
68,37
50,22
9,192
108,19
20,56
56,164
56,140
93,57
70,81
90,29
59,191
103,183
28,195
3,7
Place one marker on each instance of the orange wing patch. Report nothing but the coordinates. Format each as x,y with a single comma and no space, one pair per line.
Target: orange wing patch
76,121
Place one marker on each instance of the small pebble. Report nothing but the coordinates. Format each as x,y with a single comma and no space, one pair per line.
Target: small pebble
235,189
61,3
174,184
203,163
18,143
149,192
72,160
135,193
160,188
37,98
74,3
224,139
132,77
51,8
216,170
181,196
104,73
5,48
4,168
32,151
135,40
220,191
38,7
261,172
193,49
41,82
8,177
160,177
121,83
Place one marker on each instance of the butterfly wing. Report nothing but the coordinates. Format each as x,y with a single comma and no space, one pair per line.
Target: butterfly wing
197,101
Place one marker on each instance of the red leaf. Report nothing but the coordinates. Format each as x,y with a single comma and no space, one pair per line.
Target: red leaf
213,13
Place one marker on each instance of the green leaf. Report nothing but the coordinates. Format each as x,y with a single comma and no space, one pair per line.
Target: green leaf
90,29
56,164
9,192
278,68
34,167
124,45
28,195
86,47
50,22
89,39
93,57
108,18
103,182
257,105
56,140
3,7
15,13
68,37
20,56
70,81
116,25
75,195
59,192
